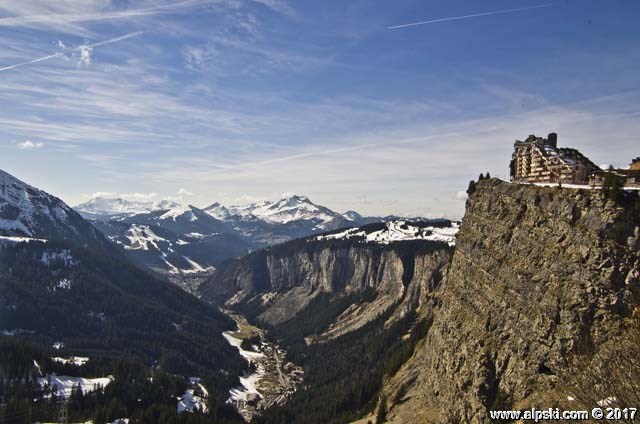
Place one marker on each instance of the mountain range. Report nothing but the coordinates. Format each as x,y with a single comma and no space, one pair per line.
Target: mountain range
181,241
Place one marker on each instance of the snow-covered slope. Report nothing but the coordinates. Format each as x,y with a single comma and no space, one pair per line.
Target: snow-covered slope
26,211
102,206
24,208
393,231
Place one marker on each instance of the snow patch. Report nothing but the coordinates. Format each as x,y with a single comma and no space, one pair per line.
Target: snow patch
64,256
141,237
607,401
194,398
72,360
64,385
21,239
248,381
64,284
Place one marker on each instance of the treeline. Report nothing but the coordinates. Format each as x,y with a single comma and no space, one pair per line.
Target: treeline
141,393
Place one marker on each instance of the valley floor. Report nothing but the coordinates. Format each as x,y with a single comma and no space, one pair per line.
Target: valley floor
271,379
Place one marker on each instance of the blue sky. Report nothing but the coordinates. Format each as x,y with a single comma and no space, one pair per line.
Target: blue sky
232,100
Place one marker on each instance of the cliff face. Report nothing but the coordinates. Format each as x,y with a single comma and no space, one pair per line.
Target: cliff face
538,276
279,282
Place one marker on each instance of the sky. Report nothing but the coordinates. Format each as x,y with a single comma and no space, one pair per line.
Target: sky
342,101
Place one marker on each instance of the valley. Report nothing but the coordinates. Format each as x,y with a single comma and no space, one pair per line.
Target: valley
271,379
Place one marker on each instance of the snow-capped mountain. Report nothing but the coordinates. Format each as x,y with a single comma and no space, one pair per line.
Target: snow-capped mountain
102,206
352,216
181,240
218,211
182,220
28,212
290,208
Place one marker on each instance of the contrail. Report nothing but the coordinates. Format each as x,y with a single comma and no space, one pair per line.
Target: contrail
51,56
495,12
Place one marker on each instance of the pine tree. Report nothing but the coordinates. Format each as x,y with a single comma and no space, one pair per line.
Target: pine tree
612,186
471,188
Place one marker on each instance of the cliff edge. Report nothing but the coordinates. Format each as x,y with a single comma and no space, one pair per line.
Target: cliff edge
540,276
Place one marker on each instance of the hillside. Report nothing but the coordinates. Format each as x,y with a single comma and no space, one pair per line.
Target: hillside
63,283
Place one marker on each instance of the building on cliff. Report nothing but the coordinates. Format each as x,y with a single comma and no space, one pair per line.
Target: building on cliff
540,160
629,176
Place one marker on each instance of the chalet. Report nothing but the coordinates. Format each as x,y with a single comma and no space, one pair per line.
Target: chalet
629,176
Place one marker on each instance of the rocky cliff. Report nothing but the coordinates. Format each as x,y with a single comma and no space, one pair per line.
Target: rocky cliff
275,284
540,276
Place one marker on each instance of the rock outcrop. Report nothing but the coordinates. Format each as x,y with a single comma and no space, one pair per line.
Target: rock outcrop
279,282
539,275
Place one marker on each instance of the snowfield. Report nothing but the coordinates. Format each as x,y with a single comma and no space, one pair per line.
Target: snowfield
64,385
398,231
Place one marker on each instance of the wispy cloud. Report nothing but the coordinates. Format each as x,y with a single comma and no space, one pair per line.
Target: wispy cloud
71,16
475,15
84,50
63,15
29,145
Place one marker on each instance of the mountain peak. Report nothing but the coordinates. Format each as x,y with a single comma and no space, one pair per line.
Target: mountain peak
26,211
352,216
293,196
24,208
218,211
189,211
